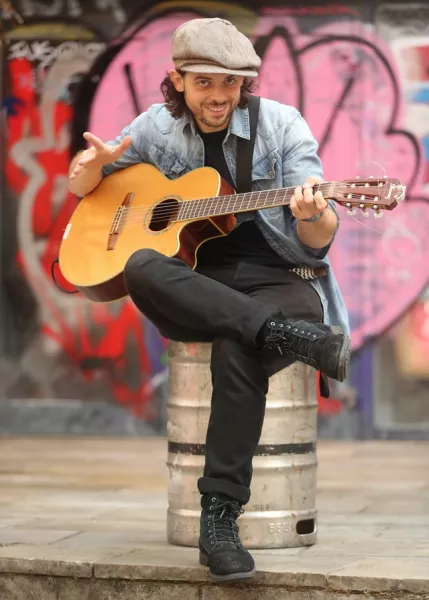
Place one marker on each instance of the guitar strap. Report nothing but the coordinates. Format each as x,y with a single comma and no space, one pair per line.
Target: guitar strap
245,149
244,184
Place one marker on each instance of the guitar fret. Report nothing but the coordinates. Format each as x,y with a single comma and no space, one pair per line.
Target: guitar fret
224,205
229,204
212,205
250,200
256,200
203,208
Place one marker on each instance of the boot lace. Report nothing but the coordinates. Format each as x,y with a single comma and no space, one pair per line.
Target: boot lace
284,339
222,522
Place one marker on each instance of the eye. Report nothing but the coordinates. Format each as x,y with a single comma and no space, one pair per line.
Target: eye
203,82
230,81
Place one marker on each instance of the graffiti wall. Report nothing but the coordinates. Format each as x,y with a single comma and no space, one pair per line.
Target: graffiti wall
362,85
70,348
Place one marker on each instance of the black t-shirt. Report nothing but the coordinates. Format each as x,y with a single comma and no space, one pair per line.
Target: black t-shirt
246,241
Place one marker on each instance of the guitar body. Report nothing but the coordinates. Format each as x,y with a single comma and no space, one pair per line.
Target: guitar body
137,207
129,210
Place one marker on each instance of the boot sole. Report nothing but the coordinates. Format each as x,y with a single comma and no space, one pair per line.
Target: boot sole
231,577
345,354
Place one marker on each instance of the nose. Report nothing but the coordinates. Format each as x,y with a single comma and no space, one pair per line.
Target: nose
218,97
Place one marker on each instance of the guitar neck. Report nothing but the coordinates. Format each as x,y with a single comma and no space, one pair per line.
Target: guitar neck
238,203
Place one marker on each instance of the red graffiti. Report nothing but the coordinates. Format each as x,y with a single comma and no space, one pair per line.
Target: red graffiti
99,341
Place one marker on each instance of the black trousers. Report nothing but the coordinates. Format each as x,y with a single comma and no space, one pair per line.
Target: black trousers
226,305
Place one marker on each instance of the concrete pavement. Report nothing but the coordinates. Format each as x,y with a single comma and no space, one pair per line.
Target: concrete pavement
85,519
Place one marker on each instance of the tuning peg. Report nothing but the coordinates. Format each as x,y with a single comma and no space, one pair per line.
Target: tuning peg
365,213
384,176
378,214
351,212
371,177
357,176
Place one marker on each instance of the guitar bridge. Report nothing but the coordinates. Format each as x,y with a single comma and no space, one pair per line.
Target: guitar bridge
117,222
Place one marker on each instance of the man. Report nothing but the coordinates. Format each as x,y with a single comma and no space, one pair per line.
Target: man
244,295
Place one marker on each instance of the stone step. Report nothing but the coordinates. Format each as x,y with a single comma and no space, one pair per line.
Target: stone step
164,572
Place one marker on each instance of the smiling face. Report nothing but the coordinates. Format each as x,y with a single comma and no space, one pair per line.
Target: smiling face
211,97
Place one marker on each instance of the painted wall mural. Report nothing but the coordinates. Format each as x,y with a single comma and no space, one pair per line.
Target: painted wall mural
80,349
363,88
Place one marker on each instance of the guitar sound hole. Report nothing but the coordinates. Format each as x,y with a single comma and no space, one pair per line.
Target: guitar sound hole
163,214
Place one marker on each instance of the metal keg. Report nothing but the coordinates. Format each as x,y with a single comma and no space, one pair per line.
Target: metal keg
281,512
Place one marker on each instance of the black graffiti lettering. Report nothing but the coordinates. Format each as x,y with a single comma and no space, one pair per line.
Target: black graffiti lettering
263,43
72,8
46,53
337,108
54,8
131,86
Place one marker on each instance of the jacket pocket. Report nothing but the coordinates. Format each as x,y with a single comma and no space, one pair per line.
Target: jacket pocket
167,162
266,175
265,167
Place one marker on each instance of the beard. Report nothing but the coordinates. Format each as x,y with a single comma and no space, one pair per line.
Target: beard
202,113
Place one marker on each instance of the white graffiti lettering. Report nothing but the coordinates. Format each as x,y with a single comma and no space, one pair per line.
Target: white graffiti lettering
45,53
72,8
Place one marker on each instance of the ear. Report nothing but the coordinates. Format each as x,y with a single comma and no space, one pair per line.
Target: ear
177,81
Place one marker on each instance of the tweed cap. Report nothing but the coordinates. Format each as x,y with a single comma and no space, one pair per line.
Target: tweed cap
214,46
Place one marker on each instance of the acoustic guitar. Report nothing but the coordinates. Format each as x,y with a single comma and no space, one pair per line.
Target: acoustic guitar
138,207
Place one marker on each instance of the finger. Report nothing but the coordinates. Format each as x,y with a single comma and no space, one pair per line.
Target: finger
94,140
320,201
84,160
298,194
117,150
122,147
126,142
293,207
308,197
75,173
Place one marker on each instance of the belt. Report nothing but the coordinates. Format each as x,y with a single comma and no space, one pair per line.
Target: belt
309,272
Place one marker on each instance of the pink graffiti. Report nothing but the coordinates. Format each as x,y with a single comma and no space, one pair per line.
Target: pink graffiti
351,97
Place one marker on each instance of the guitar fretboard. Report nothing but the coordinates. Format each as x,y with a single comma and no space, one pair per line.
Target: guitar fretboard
236,203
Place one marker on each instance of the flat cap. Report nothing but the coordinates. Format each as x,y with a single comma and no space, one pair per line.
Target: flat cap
214,46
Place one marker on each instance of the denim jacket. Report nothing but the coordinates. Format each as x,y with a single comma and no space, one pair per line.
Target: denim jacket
285,155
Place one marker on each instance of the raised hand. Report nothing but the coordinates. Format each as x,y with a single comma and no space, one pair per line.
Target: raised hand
99,153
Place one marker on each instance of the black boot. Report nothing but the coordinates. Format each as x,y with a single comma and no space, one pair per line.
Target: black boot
220,546
325,348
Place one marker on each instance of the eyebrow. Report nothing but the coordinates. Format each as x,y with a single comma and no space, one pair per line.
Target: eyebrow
201,77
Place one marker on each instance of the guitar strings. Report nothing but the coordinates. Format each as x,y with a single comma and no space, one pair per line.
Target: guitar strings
164,213
365,225
326,187
133,214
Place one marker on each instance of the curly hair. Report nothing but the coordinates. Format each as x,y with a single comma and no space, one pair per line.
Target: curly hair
175,101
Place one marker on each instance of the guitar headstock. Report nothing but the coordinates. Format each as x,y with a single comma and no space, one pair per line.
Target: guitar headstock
376,194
